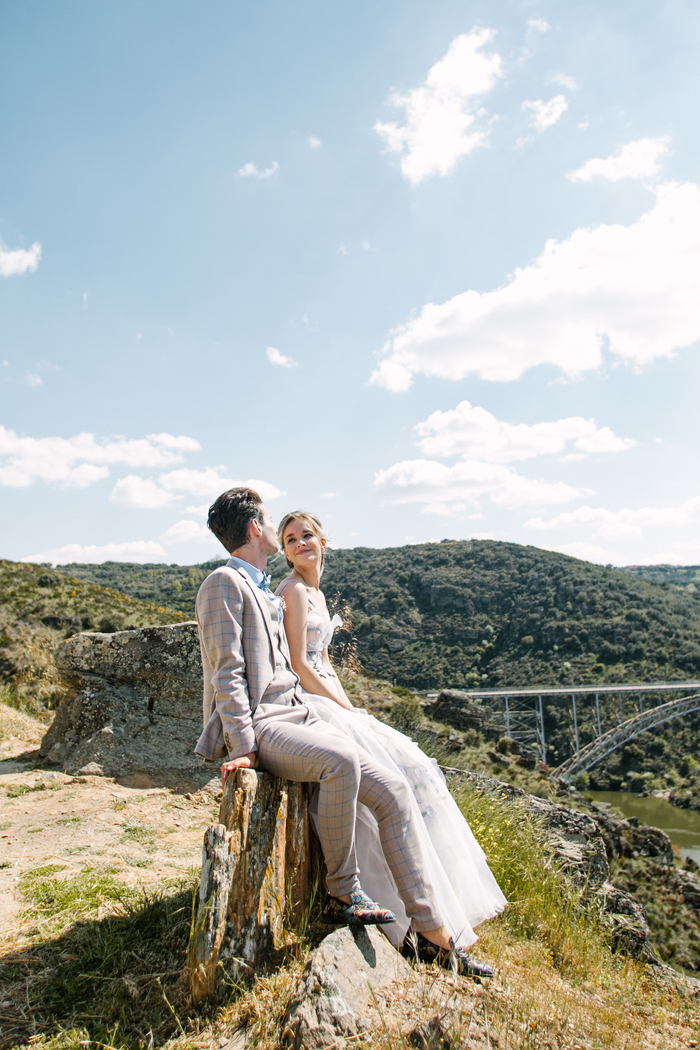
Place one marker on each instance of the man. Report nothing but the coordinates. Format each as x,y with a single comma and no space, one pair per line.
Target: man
255,713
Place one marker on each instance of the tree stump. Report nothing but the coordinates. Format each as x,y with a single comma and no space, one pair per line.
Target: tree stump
257,869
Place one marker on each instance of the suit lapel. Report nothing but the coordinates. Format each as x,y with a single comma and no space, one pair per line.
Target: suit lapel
262,605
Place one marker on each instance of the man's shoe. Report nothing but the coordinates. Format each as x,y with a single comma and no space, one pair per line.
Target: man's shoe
361,911
416,946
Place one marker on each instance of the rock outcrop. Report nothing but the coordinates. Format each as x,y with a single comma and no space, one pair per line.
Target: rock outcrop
132,708
455,708
579,843
341,983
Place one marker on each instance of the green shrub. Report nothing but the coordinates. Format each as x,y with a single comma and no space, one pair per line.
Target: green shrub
544,903
405,714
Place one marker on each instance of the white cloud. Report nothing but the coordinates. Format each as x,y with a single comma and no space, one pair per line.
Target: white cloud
538,25
33,379
429,482
367,246
249,170
313,142
82,460
275,357
145,493
545,114
627,523
589,552
443,119
140,493
565,81
138,550
634,286
470,431
188,532
635,160
328,495
19,260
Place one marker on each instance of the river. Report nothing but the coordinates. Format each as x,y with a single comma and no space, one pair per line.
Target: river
681,825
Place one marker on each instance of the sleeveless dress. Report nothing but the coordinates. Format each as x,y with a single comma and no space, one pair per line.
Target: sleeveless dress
464,890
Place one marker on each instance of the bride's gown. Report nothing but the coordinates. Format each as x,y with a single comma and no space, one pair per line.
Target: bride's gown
464,890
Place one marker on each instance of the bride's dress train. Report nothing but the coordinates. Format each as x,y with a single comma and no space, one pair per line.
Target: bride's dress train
464,890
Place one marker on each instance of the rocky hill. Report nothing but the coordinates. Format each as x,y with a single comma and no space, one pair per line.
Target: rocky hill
39,608
482,614
479,613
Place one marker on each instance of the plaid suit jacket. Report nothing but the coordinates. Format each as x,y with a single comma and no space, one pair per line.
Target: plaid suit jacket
238,660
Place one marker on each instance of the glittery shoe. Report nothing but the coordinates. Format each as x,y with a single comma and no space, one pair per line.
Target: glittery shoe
416,946
361,911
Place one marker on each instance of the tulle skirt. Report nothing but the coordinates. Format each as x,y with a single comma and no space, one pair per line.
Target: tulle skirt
465,893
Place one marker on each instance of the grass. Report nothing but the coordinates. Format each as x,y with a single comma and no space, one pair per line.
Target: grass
17,790
545,905
104,969
107,982
136,831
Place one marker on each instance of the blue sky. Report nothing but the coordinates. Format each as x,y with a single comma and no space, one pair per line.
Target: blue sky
429,270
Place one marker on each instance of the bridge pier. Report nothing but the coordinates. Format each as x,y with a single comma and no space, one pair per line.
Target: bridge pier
578,749
597,711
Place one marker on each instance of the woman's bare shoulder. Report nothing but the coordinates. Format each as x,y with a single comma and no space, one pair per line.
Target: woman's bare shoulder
290,587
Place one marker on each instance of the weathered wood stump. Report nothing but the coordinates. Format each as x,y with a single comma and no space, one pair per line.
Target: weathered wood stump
258,865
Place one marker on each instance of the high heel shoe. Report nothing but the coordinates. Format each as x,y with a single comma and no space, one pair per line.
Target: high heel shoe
416,946
361,911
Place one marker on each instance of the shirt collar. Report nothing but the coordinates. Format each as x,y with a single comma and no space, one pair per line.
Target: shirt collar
256,575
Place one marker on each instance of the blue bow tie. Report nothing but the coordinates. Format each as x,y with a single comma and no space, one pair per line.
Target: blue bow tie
265,582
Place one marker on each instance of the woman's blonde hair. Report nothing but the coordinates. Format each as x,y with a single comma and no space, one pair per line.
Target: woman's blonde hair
314,524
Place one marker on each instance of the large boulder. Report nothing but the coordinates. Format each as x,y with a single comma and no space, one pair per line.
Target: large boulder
346,974
132,708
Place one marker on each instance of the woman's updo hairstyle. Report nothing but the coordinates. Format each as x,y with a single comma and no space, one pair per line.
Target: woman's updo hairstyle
314,524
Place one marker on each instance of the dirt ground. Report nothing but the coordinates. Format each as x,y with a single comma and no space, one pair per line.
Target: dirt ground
138,834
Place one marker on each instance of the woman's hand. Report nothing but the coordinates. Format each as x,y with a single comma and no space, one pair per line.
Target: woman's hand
244,762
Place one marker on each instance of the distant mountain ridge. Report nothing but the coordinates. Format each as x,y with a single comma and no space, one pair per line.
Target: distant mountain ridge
479,613
686,577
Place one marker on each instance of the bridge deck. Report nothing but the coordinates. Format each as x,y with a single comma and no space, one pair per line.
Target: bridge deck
567,690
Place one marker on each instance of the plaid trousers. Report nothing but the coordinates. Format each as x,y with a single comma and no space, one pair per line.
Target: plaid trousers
294,743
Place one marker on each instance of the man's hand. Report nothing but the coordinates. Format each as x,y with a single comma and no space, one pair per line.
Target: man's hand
244,762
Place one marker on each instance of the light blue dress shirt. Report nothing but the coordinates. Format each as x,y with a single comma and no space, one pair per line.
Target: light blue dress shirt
260,579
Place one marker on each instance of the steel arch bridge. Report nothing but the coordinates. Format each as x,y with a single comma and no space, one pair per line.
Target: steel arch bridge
599,749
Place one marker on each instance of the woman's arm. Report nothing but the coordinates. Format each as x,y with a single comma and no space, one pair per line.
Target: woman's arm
330,671
295,617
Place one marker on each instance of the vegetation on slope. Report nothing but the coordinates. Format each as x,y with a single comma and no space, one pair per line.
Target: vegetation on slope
478,614
173,586
39,608
683,577
484,615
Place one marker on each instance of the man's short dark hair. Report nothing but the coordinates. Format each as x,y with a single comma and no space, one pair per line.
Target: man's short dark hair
231,514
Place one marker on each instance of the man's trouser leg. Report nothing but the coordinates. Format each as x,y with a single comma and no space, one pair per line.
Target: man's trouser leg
298,747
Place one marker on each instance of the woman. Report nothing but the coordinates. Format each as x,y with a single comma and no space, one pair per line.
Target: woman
466,892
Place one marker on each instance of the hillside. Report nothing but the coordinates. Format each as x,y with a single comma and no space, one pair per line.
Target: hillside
39,608
477,614
685,577
483,614
174,586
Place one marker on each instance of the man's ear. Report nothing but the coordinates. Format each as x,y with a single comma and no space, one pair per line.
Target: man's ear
254,529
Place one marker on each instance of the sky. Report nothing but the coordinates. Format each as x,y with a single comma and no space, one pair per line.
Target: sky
429,270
